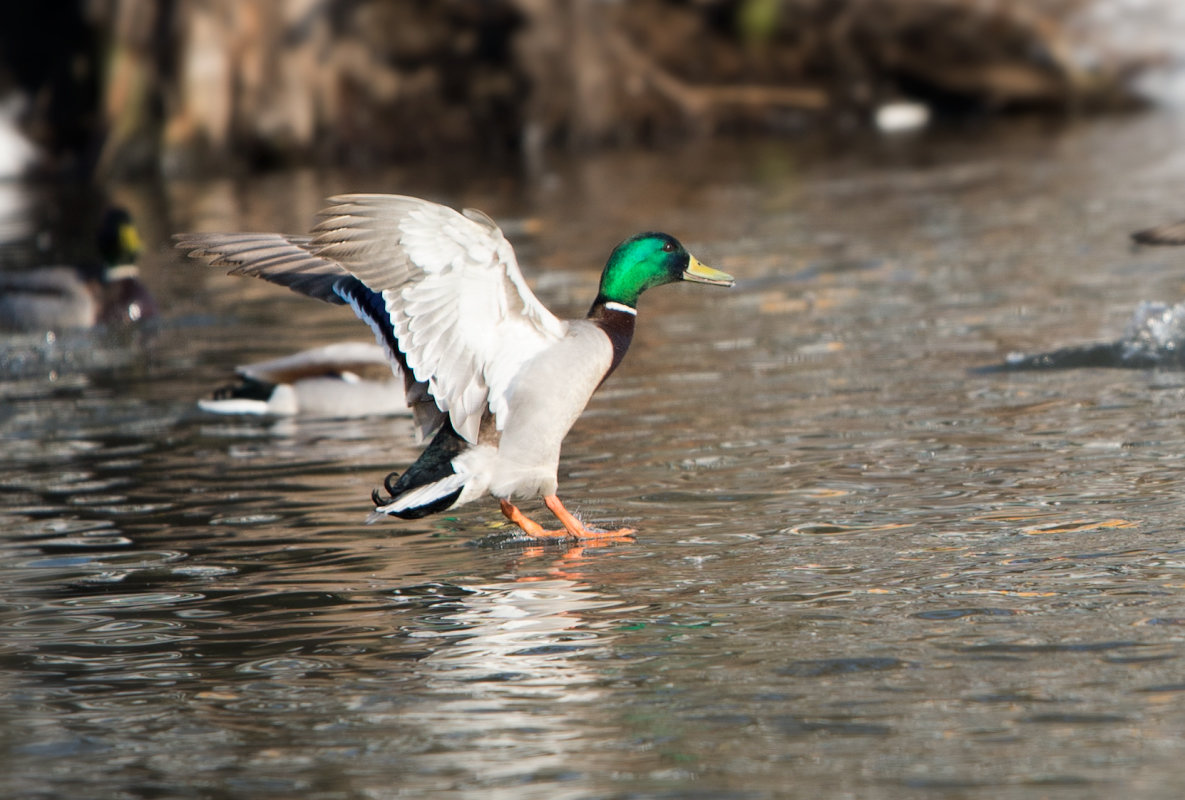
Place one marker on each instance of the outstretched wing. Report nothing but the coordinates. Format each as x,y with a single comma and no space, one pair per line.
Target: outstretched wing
452,295
456,301
275,257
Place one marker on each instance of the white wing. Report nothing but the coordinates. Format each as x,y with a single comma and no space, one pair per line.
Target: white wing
464,317
459,306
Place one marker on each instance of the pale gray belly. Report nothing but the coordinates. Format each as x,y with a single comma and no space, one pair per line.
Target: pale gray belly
552,393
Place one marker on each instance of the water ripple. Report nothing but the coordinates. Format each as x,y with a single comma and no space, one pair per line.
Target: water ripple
145,600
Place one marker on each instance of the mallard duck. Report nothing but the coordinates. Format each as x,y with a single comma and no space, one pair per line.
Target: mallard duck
344,379
493,376
18,155
55,298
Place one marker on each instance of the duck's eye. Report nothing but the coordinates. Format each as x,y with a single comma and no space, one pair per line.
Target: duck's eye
669,247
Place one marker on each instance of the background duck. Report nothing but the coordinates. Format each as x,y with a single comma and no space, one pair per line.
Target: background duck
65,297
18,155
344,379
489,372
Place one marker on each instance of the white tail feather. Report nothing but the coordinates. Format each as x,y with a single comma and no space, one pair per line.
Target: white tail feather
423,495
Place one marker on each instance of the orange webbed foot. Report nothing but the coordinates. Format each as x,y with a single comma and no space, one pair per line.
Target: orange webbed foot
578,529
573,528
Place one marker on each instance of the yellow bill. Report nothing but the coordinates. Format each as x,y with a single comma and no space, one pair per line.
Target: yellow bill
698,273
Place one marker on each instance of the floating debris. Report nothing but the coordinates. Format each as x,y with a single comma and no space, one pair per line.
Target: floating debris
1171,234
1153,339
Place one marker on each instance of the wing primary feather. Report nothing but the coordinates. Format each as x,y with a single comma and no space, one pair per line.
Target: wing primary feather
276,258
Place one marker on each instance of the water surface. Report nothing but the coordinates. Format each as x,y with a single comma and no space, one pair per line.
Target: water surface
862,570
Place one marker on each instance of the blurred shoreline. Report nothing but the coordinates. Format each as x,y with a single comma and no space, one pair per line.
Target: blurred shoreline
123,88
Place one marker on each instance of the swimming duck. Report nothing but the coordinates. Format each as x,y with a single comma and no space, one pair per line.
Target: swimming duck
18,154
340,380
494,377
55,298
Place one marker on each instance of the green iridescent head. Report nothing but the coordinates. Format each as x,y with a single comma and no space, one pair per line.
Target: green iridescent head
651,259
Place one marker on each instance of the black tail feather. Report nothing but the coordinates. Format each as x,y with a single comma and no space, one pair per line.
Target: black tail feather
434,464
388,483
246,389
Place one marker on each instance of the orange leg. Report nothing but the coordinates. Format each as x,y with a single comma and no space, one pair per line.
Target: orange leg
529,526
573,528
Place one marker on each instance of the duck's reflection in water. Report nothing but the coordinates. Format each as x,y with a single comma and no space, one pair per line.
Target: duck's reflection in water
514,680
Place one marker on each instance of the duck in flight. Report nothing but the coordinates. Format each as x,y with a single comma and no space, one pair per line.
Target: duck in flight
489,373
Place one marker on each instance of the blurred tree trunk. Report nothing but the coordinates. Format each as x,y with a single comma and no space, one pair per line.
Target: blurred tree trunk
197,84
276,81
